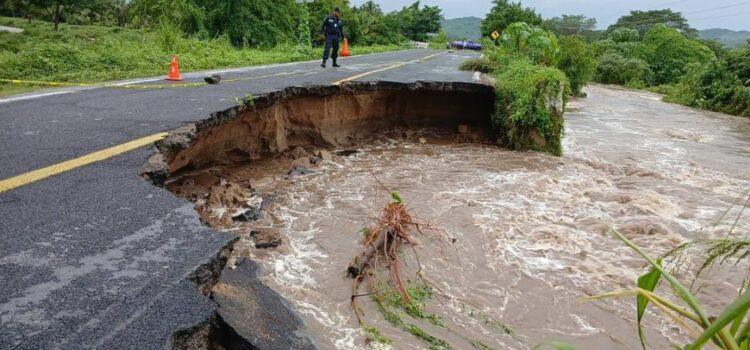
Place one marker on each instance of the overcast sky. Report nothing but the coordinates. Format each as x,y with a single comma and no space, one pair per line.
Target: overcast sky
702,14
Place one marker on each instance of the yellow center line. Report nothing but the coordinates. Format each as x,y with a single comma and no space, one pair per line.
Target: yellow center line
354,77
39,174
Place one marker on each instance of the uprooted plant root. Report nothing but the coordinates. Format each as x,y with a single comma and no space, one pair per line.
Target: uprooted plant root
394,230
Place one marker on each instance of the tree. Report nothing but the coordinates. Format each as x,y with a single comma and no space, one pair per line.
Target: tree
577,61
504,13
667,51
624,35
571,25
613,68
256,23
643,21
374,26
416,22
539,45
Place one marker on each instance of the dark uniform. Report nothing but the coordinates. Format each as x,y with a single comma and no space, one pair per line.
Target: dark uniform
333,28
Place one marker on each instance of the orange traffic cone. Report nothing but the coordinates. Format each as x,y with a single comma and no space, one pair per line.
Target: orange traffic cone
345,49
174,70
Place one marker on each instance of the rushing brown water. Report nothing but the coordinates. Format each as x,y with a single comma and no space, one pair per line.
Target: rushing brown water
531,229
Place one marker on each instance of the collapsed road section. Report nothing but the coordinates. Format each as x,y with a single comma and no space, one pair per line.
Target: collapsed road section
235,163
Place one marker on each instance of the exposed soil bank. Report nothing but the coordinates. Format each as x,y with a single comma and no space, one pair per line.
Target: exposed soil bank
231,164
319,116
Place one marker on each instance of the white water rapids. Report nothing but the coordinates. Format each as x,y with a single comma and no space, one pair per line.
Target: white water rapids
531,229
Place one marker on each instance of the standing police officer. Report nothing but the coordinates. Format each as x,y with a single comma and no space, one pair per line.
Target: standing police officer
333,28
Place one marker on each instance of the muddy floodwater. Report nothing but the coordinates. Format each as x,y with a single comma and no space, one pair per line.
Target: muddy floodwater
530,230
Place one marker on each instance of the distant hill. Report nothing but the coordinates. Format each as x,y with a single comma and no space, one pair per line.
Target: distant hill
462,28
730,38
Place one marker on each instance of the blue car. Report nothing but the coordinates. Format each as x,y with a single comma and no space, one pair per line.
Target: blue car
466,45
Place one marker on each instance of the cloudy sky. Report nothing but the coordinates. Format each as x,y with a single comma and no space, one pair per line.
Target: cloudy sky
702,14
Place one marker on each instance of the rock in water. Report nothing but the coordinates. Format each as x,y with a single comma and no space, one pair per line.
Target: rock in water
298,152
302,163
267,200
266,237
347,152
324,155
299,170
252,214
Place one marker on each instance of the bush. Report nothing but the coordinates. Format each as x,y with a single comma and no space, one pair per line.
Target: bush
530,107
483,65
539,45
439,41
613,68
713,86
577,61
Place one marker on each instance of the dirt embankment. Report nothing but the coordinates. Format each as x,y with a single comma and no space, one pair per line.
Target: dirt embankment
214,161
319,116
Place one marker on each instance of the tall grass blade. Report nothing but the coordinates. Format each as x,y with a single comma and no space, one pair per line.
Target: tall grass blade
730,313
679,289
647,282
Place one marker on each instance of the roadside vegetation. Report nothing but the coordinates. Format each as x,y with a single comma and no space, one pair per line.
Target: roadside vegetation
655,50
659,51
97,40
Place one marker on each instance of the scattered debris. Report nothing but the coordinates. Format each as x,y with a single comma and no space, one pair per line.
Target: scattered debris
393,230
422,140
213,80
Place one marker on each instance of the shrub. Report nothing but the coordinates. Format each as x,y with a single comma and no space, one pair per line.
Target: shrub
439,41
539,45
613,68
577,62
713,86
530,107
483,65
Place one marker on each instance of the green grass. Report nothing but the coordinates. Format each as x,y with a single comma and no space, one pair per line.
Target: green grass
8,89
483,65
431,341
374,335
97,53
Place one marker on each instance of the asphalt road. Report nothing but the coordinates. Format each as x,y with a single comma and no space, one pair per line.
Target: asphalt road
98,258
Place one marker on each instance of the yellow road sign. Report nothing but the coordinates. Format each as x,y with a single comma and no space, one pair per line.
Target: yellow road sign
495,35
